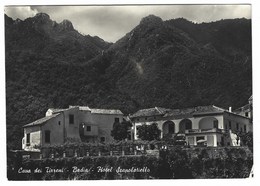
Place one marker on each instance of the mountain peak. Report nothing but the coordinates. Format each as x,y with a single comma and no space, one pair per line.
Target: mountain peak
66,25
151,19
42,16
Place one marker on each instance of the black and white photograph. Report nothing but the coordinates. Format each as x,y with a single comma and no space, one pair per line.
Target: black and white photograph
128,92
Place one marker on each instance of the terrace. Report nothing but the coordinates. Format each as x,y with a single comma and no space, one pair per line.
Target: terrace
213,130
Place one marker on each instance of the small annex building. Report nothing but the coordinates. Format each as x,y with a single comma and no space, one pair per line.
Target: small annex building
246,110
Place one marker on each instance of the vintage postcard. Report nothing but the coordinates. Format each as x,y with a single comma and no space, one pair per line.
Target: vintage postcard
112,92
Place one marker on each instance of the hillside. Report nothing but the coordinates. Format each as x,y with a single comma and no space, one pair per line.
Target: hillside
173,64
39,36
160,64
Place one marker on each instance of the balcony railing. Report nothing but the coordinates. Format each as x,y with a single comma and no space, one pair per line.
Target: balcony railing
205,130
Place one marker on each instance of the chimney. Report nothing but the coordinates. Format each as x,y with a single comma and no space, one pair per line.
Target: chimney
230,109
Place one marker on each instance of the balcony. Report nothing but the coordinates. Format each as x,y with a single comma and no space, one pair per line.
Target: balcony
190,131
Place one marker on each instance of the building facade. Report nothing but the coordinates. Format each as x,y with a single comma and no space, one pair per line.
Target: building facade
76,123
207,125
211,125
246,110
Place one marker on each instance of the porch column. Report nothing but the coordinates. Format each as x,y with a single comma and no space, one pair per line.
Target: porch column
215,140
177,125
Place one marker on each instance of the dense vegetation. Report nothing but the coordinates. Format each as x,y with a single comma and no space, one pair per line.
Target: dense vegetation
121,130
149,132
173,64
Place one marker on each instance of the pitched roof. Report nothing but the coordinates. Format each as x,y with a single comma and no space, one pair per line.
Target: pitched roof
178,113
55,110
41,121
190,112
58,110
99,111
106,111
80,107
150,112
84,108
211,109
162,110
243,108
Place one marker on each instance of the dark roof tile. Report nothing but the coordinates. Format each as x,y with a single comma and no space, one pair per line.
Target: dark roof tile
150,112
41,121
178,113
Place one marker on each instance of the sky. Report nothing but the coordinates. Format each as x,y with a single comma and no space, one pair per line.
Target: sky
113,22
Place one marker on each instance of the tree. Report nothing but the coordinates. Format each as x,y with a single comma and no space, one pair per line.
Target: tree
120,130
149,132
247,139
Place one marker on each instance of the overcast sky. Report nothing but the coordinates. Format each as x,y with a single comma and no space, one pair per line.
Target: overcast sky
113,22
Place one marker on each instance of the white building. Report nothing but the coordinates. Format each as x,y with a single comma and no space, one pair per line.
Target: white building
214,125
77,123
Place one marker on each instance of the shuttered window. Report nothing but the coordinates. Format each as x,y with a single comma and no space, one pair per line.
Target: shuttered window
47,136
71,119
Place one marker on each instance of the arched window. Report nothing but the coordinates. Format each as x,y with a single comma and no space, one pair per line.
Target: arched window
168,127
209,123
185,124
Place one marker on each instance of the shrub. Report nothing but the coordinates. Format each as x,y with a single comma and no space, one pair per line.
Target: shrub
149,132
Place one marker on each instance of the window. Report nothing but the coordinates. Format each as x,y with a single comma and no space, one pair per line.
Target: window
185,125
246,114
237,126
229,124
244,128
59,122
102,139
88,128
28,136
47,136
200,138
171,128
71,119
215,124
116,120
